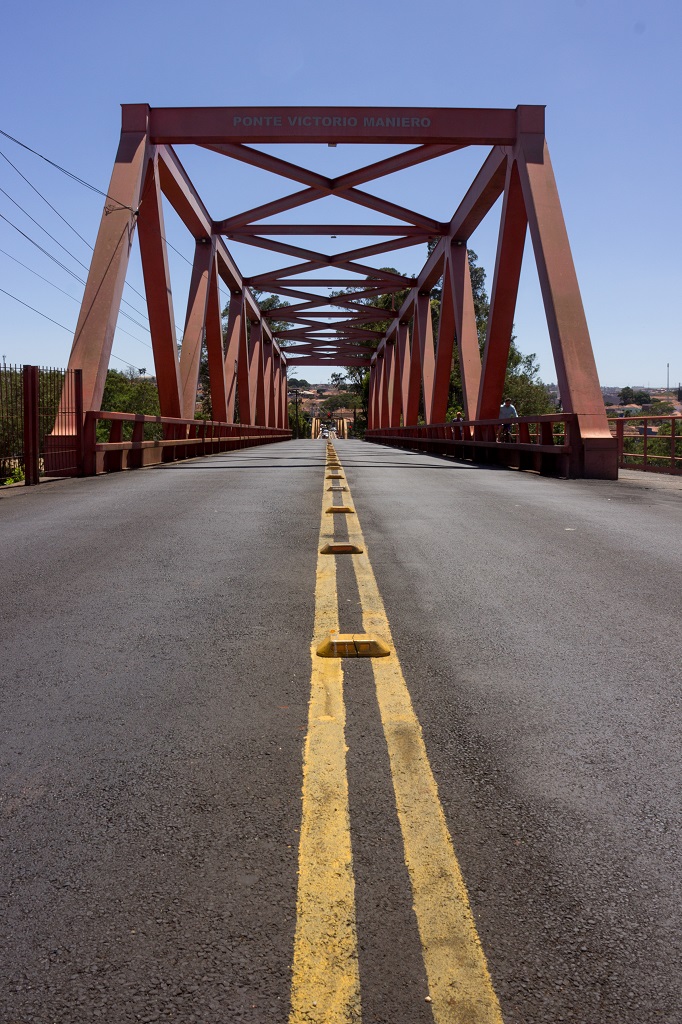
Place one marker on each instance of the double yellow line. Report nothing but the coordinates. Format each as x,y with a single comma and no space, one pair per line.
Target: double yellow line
326,983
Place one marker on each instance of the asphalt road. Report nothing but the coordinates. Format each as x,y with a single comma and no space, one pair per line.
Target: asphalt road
155,666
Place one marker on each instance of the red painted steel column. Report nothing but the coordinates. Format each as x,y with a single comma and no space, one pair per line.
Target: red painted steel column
268,382
195,322
410,373
444,348
459,283
383,389
393,373
96,325
568,331
511,240
371,419
214,349
282,395
276,385
403,357
422,341
256,373
157,284
235,321
246,407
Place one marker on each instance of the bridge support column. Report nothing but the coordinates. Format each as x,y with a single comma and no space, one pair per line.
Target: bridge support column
569,335
94,337
512,235
195,323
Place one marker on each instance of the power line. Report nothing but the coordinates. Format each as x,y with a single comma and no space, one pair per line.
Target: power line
70,225
81,181
38,192
68,295
67,251
56,322
69,271
69,174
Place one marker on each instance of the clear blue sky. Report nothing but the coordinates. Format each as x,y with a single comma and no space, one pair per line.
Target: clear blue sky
609,72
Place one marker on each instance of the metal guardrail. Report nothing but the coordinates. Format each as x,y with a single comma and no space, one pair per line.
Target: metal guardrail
649,443
178,439
547,444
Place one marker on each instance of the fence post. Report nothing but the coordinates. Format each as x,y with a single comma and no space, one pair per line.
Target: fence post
31,426
78,412
673,449
620,429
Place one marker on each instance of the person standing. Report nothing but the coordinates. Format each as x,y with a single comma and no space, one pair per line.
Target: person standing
507,413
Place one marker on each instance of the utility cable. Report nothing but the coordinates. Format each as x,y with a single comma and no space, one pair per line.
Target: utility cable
39,193
69,329
67,251
70,225
69,295
68,270
86,184
69,174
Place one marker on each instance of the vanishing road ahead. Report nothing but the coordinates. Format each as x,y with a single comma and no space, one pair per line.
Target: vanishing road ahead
180,823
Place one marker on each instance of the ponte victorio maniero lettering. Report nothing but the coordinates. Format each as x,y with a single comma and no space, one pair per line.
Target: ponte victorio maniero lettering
394,119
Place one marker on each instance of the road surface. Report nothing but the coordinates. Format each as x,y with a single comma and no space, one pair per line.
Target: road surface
154,720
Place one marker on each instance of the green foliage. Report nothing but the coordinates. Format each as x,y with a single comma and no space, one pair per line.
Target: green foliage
343,400
293,382
15,475
660,408
632,396
127,392
300,427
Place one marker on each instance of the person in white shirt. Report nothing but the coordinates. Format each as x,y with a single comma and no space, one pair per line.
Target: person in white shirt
507,413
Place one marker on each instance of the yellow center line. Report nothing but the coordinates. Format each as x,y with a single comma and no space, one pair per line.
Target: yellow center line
325,983
459,982
325,986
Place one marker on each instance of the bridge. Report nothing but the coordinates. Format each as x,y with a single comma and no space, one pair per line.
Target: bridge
330,731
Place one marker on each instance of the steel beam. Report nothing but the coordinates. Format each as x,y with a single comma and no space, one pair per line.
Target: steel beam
573,357
513,226
157,284
418,125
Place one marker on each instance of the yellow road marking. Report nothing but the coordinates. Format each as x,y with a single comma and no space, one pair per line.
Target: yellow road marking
456,968
325,984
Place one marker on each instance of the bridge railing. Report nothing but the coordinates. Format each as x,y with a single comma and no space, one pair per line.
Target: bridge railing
649,443
172,439
549,444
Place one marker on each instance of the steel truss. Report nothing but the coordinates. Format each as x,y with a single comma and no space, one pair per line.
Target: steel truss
409,368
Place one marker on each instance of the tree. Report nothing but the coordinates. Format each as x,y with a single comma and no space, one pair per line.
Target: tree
129,392
632,396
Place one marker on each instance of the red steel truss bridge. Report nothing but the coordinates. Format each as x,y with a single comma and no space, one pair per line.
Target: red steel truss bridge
409,367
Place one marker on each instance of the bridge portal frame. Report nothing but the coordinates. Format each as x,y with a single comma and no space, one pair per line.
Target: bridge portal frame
409,368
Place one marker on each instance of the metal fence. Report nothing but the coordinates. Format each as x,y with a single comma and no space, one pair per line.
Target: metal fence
649,443
11,424
38,409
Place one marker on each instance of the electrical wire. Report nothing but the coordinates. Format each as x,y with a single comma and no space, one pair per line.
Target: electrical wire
39,193
67,251
69,174
86,184
68,294
70,225
68,270
69,329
